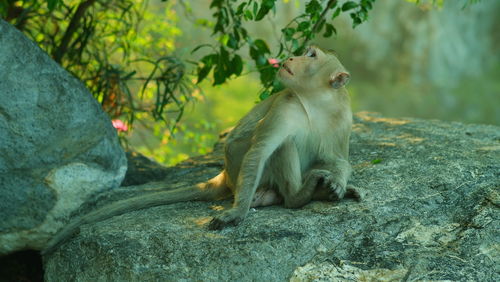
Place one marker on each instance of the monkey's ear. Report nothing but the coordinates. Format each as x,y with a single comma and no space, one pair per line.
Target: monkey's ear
339,79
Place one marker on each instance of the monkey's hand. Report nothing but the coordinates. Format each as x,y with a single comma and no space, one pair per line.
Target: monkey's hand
230,217
328,181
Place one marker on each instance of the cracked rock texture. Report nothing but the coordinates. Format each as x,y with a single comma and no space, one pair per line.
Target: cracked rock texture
431,213
57,147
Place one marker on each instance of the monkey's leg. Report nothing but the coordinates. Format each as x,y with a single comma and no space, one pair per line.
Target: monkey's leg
270,133
341,170
248,180
285,166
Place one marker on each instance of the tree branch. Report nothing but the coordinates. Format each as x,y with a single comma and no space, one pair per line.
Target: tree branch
330,4
72,27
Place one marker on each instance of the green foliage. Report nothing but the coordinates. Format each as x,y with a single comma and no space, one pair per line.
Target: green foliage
52,4
128,67
102,43
132,69
229,25
213,111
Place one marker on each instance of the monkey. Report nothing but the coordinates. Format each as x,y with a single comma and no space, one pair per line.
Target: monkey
289,149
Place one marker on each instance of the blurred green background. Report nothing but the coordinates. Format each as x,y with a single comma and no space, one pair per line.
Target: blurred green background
427,60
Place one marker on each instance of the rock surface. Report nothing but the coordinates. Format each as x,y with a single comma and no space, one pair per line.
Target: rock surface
57,147
431,214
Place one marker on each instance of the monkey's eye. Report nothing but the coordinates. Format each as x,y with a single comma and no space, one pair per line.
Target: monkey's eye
311,53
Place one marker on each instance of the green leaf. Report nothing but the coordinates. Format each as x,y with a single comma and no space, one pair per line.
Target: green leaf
376,161
303,26
355,20
320,25
199,47
277,86
3,8
254,53
219,75
313,7
129,75
244,33
224,39
349,5
216,3
367,4
236,65
330,29
202,22
209,59
51,4
281,49
225,16
363,15
262,46
336,13
219,27
208,62
261,60
265,7
248,15
236,34
224,59
264,95
240,8
232,42
203,72
288,32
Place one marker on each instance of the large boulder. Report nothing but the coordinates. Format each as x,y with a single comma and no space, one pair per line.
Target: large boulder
431,213
57,147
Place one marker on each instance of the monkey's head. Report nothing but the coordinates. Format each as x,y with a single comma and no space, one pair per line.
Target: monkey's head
315,69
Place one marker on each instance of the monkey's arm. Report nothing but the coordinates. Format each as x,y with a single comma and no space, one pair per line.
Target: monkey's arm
269,134
333,168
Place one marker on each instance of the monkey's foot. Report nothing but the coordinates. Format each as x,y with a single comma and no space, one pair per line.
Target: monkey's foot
230,217
337,189
326,180
355,192
266,197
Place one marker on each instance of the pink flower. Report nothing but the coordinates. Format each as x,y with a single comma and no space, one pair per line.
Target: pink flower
274,62
119,125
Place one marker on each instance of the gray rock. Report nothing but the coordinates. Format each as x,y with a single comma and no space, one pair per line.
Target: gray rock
431,213
57,147
141,170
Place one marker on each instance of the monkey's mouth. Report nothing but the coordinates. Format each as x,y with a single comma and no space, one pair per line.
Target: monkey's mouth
285,67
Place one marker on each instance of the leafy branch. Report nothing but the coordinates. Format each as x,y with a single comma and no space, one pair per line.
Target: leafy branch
87,36
72,27
230,18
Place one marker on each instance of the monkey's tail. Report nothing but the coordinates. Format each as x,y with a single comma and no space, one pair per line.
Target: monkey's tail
213,189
